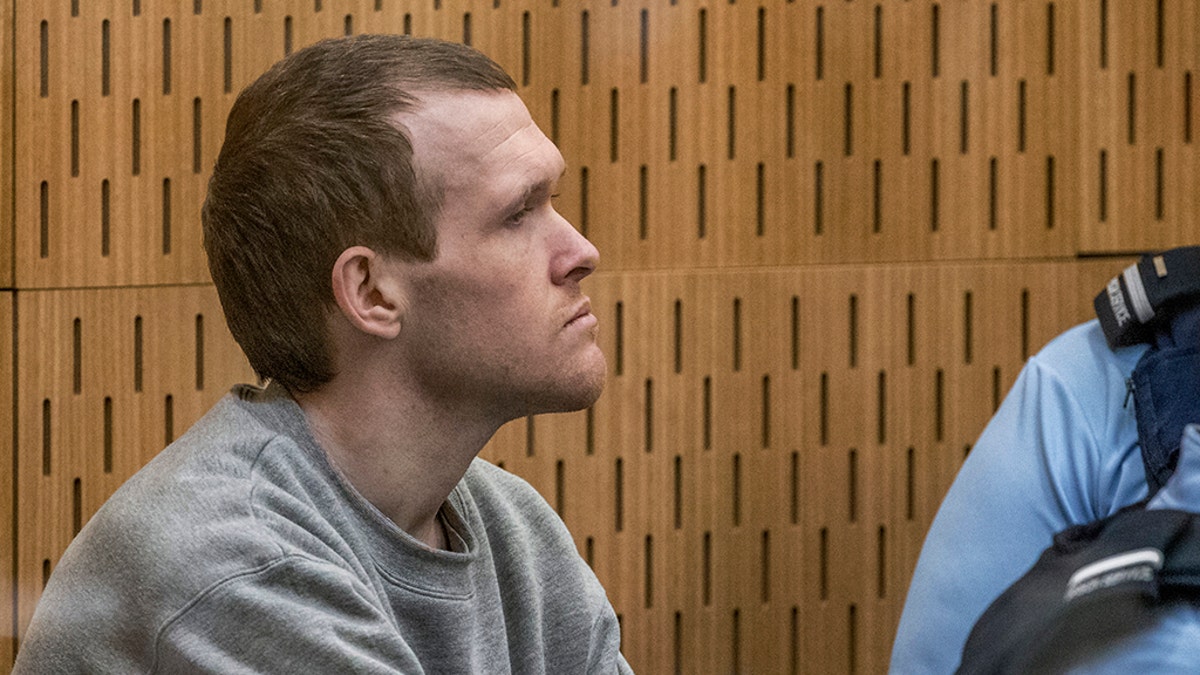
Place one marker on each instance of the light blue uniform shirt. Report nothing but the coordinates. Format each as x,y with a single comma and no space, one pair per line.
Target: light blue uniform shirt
1062,450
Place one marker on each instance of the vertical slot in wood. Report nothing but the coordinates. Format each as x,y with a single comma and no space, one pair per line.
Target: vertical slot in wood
877,197
766,411
348,26
906,119
737,334
702,202
760,209
648,572
878,42
852,485
648,417
77,356
1024,324
525,52
583,201
1050,38
1103,197
166,57
45,573
47,436
135,136
765,567
911,328
585,47
935,40
1021,99
554,116
910,497
166,216
74,139
852,331
1051,188
1159,18
993,39
702,47
881,563
731,127
44,220
968,327
614,124
105,218
1158,184
227,53
466,29
76,507
168,420
819,198
105,58
108,434
672,123
736,492
939,407
823,412
643,202
707,405
619,495
644,48
706,591
819,44
678,501
790,122
794,643
935,199
619,329
287,33
678,331
991,207
408,29
823,564
795,332
197,135
560,488
137,354
1103,34
1187,107
590,431
735,646
852,639
848,121
44,60
881,405
762,44
199,352
795,489
1131,114
964,121
677,644
996,391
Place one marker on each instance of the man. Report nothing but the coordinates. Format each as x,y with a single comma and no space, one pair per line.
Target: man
380,231
1062,450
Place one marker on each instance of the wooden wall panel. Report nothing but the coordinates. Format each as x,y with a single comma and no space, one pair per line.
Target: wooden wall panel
8,543
106,379
830,233
6,143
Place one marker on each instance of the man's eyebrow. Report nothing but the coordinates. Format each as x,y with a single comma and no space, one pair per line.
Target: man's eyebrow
542,187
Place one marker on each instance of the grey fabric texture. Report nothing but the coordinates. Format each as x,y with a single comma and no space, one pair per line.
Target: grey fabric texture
240,549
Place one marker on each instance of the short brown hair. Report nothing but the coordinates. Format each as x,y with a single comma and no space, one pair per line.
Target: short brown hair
312,164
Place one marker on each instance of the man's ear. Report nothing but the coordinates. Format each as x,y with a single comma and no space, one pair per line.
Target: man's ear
368,292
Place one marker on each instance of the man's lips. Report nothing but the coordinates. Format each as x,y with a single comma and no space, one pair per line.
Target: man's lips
583,314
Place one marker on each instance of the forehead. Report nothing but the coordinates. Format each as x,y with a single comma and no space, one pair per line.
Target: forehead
461,137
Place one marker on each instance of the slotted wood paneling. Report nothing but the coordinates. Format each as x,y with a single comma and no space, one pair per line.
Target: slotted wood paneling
830,232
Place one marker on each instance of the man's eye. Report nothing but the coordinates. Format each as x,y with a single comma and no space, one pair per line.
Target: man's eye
516,218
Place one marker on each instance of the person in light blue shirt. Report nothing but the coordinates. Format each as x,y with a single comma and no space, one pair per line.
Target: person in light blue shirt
1061,450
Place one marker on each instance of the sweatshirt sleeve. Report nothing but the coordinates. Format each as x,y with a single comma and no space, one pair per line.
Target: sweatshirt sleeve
1059,451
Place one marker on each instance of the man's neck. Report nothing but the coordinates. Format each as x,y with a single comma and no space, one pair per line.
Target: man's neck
403,456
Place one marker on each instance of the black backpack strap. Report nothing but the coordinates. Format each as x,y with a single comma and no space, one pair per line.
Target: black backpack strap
1157,301
1097,583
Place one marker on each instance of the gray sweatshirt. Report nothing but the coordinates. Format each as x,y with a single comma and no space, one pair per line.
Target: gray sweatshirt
240,549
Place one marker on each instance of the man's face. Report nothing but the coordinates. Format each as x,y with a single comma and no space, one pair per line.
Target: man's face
497,320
